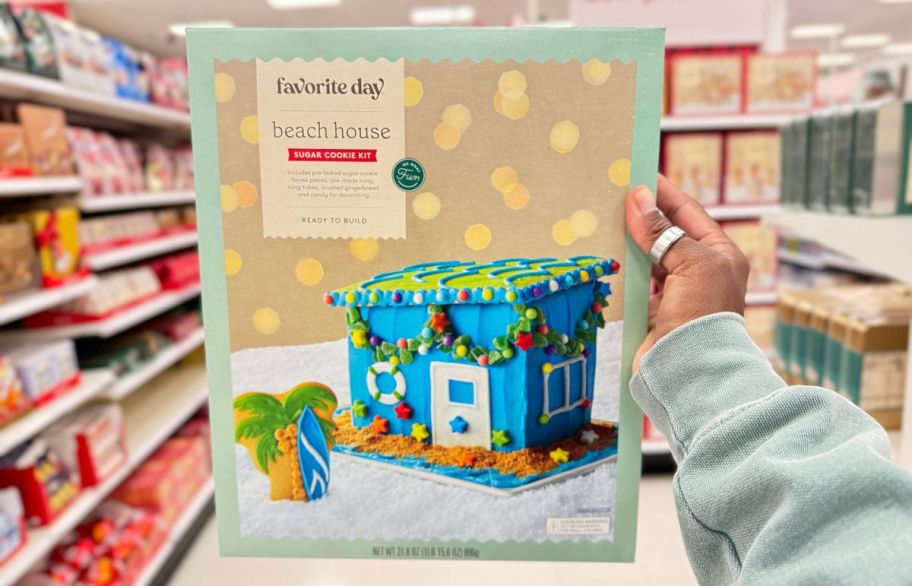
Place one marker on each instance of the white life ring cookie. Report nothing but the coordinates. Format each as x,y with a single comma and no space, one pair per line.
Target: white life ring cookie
392,397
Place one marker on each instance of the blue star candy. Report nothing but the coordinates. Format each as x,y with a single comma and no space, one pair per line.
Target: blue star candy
458,425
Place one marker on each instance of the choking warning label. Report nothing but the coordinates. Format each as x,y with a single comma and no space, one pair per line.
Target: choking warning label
578,525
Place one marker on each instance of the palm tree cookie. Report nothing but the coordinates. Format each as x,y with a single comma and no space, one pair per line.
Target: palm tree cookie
267,425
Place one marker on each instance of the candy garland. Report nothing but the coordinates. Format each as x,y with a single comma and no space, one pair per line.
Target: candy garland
529,330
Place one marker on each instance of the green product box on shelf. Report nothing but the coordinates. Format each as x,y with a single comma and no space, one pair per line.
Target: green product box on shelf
820,138
833,349
841,152
474,404
881,181
794,162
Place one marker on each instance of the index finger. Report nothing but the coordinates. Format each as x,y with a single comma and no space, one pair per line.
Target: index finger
687,213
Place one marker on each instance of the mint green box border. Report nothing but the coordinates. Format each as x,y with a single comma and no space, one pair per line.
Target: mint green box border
204,46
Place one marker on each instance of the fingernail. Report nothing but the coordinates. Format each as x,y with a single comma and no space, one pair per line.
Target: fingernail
643,198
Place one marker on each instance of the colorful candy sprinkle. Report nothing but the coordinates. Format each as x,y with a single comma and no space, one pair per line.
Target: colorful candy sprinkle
402,343
487,294
510,296
483,360
462,350
463,295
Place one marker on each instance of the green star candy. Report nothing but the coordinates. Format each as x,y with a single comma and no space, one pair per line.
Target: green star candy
359,409
500,437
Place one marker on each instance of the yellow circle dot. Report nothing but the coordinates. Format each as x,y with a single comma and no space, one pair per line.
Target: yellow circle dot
413,90
457,115
229,198
487,295
426,205
584,222
478,237
250,130
547,368
246,192
498,103
461,350
619,172
266,320
503,179
233,262
309,271
512,84
515,108
583,276
564,136
596,72
517,198
224,87
394,360
446,136
364,249
563,233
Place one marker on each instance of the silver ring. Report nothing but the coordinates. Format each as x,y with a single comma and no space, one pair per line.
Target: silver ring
665,241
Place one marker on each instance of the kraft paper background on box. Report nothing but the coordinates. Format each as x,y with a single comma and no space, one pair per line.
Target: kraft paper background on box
328,160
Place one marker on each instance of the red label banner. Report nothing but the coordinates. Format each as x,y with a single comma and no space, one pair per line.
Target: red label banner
333,155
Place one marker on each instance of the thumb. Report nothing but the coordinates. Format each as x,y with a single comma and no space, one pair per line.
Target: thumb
646,223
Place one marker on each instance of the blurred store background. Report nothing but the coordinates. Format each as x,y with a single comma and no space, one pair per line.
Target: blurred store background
789,119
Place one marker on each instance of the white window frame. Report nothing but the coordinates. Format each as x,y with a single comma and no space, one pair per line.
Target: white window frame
567,406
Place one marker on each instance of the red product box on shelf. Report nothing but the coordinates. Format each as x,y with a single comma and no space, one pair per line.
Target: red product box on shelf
45,369
47,486
91,441
178,271
177,326
13,534
706,83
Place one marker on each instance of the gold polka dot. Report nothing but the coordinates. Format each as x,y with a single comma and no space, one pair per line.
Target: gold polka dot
504,178
266,320
446,136
596,72
426,205
246,192
498,103
364,249
517,198
514,109
233,262
414,91
309,271
563,233
457,115
512,84
224,87
619,172
229,198
583,222
249,129
564,136
478,237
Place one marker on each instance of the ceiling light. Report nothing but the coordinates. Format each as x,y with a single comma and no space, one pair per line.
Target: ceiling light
442,15
835,59
816,31
895,1
179,29
898,49
864,41
294,4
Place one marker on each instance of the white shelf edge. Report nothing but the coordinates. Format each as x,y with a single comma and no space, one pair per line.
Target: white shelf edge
164,360
761,297
724,122
26,186
26,304
122,255
111,326
42,540
741,212
130,201
93,383
17,85
183,523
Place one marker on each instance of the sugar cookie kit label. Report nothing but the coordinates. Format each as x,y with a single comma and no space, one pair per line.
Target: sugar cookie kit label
330,134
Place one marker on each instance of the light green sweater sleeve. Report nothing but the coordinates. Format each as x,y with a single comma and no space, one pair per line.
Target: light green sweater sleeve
775,484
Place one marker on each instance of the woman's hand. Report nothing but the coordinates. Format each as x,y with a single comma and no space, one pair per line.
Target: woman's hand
701,274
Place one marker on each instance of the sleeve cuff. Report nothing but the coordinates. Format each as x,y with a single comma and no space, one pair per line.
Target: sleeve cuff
698,372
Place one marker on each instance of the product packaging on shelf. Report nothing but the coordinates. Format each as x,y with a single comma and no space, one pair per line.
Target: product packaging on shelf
91,442
882,180
794,162
781,82
13,399
760,244
752,167
19,266
13,533
841,163
706,84
820,140
46,369
178,325
45,484
39,43
15,160
693,162
12,45
56,235
45,136
122,354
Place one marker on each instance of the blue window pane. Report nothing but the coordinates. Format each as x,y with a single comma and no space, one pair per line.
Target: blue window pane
462,392
386,383
556,389
576,381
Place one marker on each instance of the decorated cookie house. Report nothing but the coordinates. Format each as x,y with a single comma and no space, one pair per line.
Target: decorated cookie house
500,356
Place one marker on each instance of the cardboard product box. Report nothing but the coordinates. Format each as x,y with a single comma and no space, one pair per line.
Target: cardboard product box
39,42
881,181
841,161
15,160
693,162
19,269
13,398
819,145
12,45
45,484
706,84
761,325
760,244
45,136
91,441
46,369
794,162
56,236
833,350
781,82
752,167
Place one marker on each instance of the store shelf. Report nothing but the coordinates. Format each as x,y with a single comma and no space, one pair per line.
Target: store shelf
151,417
111,326
876,243
164,360
761,297
130,201
23,86
741,212
122,255
39,186
183,524
725,122
93,383
32,302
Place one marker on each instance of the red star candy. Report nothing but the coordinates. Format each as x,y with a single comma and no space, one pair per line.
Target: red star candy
439,322
403,411
524,340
